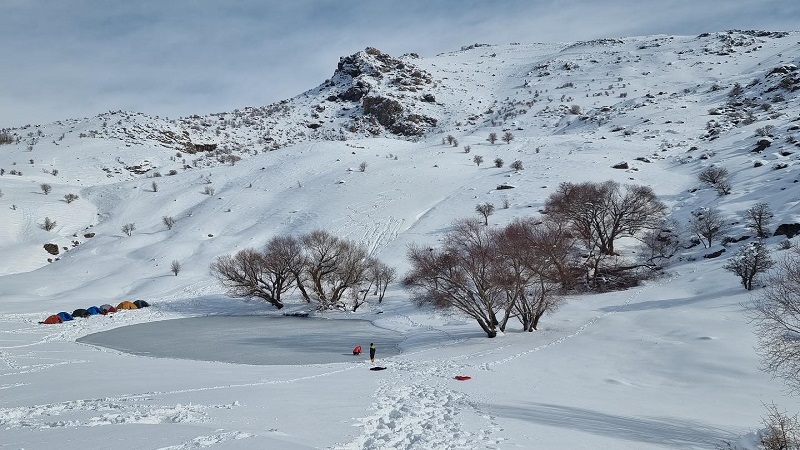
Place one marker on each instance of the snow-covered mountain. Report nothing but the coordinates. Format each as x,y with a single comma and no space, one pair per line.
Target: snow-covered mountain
653,110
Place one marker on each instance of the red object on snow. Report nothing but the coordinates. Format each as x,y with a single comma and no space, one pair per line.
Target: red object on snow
462,378
357,350
52,320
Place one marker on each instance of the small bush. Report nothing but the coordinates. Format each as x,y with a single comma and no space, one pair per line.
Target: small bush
128,228
478,160
209,190
69,198
175,267
517,165
467,149
46,188
498,162
362,167
48,224
168,221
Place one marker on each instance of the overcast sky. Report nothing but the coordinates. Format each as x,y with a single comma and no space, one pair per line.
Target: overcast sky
64,59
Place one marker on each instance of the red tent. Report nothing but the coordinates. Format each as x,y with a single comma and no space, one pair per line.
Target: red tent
52,319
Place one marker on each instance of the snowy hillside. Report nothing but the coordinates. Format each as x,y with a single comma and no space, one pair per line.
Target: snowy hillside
377,154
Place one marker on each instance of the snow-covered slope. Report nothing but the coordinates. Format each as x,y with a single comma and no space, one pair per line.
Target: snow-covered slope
668,365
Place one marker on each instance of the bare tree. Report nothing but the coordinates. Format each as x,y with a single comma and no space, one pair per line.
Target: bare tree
69,198
266,274
517,165
718,178
508,137
708,224
460,275
661,243
48,224
748,262
175,267
382,275
46,188
492,138
758,219
332,266
478,160
168,221
776,312
128,228
528,274
498,162
601,213
485,210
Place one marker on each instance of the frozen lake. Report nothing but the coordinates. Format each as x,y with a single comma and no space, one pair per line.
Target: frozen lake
256,340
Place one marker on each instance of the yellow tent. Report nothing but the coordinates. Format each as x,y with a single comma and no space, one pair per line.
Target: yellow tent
127,305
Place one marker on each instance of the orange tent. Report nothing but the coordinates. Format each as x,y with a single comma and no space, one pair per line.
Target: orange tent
127,305
52,319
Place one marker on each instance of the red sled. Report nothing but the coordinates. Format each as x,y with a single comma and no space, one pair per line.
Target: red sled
462,377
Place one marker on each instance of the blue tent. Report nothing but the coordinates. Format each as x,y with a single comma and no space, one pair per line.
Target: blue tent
94,310
65,316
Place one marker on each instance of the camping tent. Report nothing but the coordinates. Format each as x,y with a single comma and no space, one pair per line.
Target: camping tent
127,305
94,310
52,319
141,304
107,309
80,312
65,316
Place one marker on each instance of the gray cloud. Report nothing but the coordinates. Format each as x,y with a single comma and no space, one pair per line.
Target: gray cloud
80,58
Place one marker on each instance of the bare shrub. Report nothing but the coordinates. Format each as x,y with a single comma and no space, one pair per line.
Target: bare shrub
128,228
708,224
492,138
46,188
661,243
478,160
782,431
209,190
154,186
498,162
716,177
168,221
517,165
508,137
69,198
467,149
362,167
175,267
48,224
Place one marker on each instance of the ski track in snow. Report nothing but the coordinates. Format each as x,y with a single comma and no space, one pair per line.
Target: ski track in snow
415,409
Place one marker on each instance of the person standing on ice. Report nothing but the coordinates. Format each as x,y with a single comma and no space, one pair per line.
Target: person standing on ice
372,352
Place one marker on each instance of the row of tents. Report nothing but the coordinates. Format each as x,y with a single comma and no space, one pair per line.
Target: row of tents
64,316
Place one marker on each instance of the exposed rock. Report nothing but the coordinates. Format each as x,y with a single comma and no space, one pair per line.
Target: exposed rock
621,165
51,248
788,229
